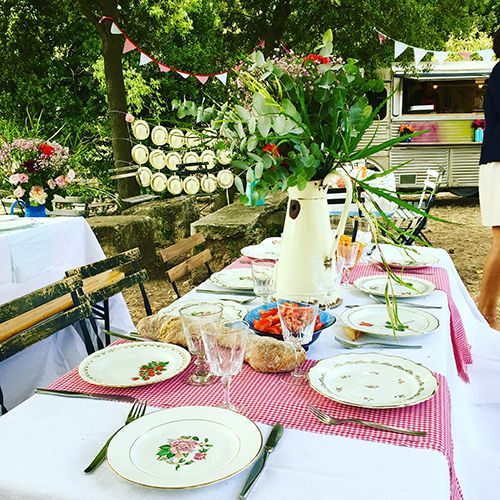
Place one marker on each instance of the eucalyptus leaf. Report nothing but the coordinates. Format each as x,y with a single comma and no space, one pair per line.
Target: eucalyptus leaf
243,113
250,177
252,143
239,185
259,169
264,125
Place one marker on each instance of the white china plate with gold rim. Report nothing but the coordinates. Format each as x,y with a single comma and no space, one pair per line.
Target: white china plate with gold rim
223,156
376,285
231,310
225,179
372,380
408,257
193,139
208,156
140,154
208,183
157,159
176,138
134,364
373,319
191,184
191,157
143,176
174,185
140,130
172,159
159,182
235,279
267,249
159,135
185,447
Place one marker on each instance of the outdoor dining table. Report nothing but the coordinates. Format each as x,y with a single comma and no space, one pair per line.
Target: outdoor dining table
31,258
47,441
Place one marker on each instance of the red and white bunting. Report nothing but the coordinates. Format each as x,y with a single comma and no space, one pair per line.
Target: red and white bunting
183,74
128,46
382,38
115,30
419,54
145,59
222,77
399,48
466,55
202,78
440,56
163,68
486,55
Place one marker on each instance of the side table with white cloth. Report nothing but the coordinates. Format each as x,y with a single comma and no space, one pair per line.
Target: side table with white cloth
314,464
32,258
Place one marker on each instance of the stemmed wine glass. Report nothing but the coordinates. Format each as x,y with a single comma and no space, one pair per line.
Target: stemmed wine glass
347,255
225,350
264,278
297,323
194,317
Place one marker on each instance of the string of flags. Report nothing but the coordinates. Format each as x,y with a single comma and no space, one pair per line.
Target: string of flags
440,55
145,58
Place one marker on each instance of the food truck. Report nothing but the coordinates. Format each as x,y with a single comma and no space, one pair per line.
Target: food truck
445,99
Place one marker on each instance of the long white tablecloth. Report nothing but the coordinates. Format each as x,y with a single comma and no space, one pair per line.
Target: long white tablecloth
32,258
304,464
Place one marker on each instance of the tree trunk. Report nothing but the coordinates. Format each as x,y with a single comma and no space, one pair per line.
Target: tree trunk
273,32
115,86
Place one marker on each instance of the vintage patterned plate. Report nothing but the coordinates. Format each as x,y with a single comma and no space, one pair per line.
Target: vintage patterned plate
375,285
173,159
235,279
208,183
208,156
267,249
185,447
225,179
373,320
191,157
174,185
407,257
140,154
193,139
176,138
140,129
157,159
159,135
134,364
231,310
372,380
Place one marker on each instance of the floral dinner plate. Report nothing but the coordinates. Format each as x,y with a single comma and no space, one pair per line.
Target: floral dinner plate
231,310
372,380
134,364
235,279
375,285
185,447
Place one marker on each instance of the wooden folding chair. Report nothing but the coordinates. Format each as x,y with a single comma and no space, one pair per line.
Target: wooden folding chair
38,315
194,262
105,278
413,224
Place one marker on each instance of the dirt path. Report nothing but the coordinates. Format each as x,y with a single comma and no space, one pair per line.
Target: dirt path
466,241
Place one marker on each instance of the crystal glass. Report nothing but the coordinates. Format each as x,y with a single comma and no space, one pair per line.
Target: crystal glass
225,350
195,317
348,254
297,323
364,232
264,278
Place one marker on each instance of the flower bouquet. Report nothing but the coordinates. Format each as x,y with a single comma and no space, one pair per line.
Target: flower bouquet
479,124
35,171
406,130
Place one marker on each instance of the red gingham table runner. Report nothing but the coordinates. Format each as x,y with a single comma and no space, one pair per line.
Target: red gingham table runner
438,276
268,401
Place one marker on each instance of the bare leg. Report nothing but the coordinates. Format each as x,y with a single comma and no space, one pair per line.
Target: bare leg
490,286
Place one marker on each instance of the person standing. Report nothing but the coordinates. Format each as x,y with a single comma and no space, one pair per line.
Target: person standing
489,192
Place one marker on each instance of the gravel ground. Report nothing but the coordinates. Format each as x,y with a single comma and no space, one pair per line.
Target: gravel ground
464,238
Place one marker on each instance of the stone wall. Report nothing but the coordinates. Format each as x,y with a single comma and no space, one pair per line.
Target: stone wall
235,226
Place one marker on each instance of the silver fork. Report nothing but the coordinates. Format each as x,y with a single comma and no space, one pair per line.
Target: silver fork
354,345
328,420
138,410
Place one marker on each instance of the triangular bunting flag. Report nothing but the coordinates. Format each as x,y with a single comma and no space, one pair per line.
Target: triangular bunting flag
440,56
115,29
466,55
128,46
399,48
163,68
381,38
145,59
183,74
261,44
222,77
202,78
486,54
419,54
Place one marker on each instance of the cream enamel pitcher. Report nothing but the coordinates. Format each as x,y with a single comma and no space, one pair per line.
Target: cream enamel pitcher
306,263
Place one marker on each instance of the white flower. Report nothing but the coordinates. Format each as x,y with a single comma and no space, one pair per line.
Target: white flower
38,195
19,192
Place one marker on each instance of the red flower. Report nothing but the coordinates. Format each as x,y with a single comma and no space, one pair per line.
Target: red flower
46,149
30,166
272,149
317,58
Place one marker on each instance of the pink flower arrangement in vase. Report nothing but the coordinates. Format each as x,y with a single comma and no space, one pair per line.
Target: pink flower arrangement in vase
35,171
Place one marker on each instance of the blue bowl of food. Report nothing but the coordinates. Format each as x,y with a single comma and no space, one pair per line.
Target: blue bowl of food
264,320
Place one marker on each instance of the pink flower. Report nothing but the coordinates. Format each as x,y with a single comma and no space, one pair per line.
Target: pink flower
183,445
200,456
19,192
38,195
71,175
22,178
129,118
52,183
14,179
61,181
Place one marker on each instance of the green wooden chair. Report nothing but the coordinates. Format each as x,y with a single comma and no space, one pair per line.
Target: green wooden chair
38,315
105,278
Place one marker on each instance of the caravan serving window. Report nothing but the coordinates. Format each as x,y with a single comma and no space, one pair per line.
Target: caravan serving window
443,96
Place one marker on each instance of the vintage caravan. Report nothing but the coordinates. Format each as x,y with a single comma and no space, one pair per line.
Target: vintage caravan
445,99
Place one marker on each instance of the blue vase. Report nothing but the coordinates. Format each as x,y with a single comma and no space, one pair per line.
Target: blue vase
249,192
478,135
29,210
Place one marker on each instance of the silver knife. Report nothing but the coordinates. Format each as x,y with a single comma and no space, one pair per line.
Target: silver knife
227,291
258,466
73,394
